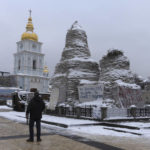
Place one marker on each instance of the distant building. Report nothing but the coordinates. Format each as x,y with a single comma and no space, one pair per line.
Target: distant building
4,74
7,80
29,62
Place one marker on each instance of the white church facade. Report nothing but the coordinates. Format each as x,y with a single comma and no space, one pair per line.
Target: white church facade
29,62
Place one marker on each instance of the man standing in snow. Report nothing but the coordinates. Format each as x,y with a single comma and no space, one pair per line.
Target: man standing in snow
35,109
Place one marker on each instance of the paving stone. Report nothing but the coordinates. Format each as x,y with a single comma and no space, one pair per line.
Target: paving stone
13,137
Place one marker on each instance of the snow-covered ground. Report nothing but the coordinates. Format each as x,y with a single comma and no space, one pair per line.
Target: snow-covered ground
137,124
90,130
99,130
5,107
144,127
19,116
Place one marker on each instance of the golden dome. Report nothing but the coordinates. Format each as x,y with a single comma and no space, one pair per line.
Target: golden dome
29,34
45,70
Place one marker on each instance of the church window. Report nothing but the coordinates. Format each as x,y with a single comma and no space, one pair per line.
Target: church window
19,63
33,46
34,64
21,46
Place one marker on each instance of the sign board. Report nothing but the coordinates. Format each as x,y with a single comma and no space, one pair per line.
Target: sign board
130,97
54,98
90,92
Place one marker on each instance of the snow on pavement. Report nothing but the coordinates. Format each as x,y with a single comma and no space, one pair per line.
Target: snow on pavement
13,115
92,130
5,107
99,130
67,121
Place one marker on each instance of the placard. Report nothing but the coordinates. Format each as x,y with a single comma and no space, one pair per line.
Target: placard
90,92
54,98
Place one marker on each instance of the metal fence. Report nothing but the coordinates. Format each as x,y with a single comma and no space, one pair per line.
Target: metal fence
72,111
138,112
99,113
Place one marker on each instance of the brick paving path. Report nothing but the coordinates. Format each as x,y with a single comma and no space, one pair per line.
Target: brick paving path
127,143
13,136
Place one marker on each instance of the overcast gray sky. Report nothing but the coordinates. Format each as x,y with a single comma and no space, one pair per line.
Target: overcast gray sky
122,24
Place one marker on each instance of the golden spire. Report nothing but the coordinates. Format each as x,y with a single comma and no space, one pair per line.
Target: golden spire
29,34
45,70
29,26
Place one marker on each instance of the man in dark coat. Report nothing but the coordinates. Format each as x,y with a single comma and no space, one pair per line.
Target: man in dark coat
35,108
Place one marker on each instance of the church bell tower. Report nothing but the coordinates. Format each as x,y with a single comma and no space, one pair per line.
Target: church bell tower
29,61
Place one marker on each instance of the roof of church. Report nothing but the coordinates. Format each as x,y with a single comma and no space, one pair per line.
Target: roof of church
29,34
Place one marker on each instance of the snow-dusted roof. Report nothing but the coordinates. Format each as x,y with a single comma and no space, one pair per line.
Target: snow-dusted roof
119,72
76,26
82,59
83,81
77,73
133,86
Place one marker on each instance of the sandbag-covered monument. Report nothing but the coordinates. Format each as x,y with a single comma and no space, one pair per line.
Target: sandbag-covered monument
76,66
112,75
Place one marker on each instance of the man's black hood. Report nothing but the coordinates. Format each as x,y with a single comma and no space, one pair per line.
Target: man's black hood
36,94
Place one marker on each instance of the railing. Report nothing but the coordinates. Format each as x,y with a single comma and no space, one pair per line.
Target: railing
99,113
138,112
84,112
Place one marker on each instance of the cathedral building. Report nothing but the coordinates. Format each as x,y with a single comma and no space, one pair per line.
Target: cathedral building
29,62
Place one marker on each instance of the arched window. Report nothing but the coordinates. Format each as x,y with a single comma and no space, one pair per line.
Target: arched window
19,63
34,64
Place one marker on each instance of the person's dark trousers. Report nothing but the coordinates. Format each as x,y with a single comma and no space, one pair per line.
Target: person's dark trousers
31,130
38,128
